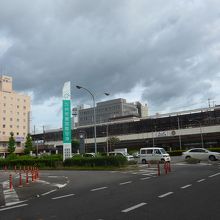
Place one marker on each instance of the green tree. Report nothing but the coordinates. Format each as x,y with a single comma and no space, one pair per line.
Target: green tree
113,141
11,143
28,145
75,145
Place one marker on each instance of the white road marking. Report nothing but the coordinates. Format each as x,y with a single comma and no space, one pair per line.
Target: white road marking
13,207
186,186
125,183
134,207
199,181
164,195
11,196
148,174
60,197
145,178
52,176
92,190
214,175
59,185
44,194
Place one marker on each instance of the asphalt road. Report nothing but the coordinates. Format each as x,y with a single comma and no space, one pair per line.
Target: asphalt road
188,192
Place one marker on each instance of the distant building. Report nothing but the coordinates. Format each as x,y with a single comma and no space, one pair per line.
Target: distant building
110,110
14,115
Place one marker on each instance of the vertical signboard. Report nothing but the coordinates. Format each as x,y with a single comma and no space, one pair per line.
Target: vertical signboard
67,152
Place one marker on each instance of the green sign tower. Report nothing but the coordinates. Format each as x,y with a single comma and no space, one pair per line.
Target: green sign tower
67,135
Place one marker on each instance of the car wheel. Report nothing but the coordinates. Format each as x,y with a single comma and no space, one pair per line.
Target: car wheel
144,161
212,158
162,160
188,157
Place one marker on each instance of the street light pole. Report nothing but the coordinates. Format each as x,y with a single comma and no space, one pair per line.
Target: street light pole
94,114
180,142
107,138
200,131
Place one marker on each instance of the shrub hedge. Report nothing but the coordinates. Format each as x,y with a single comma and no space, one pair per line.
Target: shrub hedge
39,162
175,152
96,161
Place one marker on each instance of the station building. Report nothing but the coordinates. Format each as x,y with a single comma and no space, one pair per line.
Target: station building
173,131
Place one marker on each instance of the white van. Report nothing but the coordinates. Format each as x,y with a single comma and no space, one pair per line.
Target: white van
153,154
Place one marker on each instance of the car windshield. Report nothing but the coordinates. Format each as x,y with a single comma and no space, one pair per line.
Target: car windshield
163,151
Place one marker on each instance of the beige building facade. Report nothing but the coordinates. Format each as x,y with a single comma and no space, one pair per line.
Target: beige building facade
14,115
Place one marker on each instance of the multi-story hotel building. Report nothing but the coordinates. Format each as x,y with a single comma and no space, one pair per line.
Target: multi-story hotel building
14,115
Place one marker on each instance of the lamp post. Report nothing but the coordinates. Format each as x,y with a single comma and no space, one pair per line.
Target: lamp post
180,142
94,113
200,131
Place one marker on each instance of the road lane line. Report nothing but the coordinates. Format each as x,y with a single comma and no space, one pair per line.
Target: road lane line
92,190
13,207
186,186
145,178
44,194
214,175
164,195
199,181
64,196
134,207
125,183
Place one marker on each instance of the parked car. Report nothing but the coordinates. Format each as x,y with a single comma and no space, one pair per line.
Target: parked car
89,155
115,153
201,154
153,154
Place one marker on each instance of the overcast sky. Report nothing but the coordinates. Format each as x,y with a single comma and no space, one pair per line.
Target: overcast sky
163,53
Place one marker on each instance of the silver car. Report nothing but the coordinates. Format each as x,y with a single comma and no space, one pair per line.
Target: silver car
201,154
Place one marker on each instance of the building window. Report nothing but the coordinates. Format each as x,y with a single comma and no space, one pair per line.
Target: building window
3,118
17,133
3,125
11,119
11,126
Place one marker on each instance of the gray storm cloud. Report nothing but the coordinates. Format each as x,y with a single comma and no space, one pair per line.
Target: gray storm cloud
171,47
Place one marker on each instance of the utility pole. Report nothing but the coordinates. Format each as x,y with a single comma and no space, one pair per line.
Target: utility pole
178,120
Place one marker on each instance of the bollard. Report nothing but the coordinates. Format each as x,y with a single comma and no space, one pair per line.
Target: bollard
158,168
20,180
32,176
149,164
27,178
10,182
5,168
165,167
15,168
